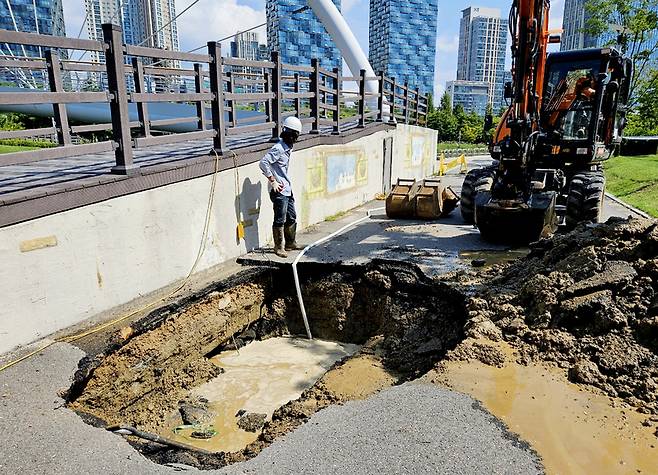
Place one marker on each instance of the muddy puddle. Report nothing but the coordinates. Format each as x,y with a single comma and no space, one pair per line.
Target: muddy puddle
256,380
482,258
574,430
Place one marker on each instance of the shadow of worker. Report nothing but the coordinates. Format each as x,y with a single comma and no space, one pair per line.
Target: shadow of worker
247,212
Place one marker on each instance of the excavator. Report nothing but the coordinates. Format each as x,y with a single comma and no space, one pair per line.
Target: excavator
566,115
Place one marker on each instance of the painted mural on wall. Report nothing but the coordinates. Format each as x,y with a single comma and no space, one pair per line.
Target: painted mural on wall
336,171
419,151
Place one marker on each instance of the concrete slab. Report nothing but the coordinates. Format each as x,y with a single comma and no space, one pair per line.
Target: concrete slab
435,246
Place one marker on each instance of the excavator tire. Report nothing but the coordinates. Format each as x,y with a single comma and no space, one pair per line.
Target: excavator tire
585,198
475,181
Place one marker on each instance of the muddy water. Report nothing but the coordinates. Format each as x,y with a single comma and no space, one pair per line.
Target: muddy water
260,378
492,257
573,430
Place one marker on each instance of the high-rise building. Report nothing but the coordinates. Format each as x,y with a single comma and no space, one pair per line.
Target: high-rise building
473,96
482,48
246,46
299,37
403,40
45,17
144,22
573,23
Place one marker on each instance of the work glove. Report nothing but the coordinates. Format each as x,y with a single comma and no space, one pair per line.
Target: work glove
276,186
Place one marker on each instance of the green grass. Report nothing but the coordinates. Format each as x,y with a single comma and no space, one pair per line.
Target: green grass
14,148
335,217
443,146
634,180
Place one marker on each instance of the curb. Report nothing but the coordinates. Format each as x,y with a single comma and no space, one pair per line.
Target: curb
627,206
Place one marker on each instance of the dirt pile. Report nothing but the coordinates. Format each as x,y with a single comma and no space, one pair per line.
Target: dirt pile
586,301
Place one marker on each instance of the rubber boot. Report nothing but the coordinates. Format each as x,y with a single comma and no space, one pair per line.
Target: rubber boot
290,233
277,232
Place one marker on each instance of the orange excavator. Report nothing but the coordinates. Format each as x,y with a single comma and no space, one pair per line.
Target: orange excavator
566,115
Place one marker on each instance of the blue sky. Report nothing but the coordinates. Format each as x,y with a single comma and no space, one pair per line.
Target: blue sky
219,18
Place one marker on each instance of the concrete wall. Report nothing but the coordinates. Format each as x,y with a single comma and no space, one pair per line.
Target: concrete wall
62,269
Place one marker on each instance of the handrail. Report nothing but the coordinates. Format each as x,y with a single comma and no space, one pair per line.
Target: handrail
312,93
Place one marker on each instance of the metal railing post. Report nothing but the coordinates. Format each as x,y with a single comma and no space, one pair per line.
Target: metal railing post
142,108
277,104
337,86
116,80
362,98
59,110
417,105
314,87
392,119
298,101
216,73
198,86
380,98
232,110
406,102
267,87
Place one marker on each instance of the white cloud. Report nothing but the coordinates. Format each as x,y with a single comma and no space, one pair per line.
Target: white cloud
447,44
74,16
555,16
216,19
347,5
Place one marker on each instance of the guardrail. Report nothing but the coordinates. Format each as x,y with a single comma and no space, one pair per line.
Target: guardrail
224,85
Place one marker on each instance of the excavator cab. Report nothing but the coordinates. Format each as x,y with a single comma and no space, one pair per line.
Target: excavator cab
583,110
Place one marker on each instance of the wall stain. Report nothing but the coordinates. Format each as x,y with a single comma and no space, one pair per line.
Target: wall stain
38,243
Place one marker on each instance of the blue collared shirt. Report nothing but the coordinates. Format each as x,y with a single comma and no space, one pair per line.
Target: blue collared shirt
275,163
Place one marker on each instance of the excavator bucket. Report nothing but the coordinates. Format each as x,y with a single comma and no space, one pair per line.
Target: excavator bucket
424,199
400,202
514,222
434,200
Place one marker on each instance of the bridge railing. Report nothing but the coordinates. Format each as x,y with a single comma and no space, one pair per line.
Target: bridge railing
133,78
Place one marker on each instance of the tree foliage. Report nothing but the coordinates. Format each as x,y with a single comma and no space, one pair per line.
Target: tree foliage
633,26
455,125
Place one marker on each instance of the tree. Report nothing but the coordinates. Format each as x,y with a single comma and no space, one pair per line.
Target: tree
632,25
446,103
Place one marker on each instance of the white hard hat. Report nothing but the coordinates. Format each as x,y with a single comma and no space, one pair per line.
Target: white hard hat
293,123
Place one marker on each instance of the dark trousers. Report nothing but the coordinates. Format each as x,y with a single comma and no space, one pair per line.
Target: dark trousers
284,209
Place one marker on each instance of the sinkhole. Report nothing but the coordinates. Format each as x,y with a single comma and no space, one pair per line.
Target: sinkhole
226,371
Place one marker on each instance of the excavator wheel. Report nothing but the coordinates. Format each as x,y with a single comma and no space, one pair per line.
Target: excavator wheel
475,181
585,198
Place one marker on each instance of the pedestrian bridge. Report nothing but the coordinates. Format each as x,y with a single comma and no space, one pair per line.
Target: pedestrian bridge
99,220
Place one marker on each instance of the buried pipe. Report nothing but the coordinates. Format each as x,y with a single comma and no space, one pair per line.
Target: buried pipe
129,430
316,243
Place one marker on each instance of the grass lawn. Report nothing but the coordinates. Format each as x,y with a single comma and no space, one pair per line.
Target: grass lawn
455,145
634,180
14,148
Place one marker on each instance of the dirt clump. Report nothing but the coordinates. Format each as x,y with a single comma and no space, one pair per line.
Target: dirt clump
586,301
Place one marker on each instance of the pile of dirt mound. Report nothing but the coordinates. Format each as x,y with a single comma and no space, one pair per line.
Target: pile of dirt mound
586,301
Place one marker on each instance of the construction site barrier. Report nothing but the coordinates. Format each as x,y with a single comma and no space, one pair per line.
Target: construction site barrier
445,165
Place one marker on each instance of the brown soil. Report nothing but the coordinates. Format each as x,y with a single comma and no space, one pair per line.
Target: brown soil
586,302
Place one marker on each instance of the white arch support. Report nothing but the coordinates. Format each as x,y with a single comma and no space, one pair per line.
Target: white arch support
342,35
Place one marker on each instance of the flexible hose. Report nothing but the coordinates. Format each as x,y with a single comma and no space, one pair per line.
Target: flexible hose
202,248
301,254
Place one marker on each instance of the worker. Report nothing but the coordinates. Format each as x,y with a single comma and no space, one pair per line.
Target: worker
275,167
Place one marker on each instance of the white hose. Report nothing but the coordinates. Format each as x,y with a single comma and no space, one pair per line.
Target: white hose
301,254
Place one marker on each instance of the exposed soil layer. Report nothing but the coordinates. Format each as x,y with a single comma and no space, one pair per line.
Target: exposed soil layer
405,322
586,301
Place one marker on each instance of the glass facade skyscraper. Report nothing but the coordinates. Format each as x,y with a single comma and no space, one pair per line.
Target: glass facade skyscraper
473,96
299,37
482,49
31,16
403,40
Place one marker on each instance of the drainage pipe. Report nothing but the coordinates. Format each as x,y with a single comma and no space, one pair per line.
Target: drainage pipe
129,430
306,249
